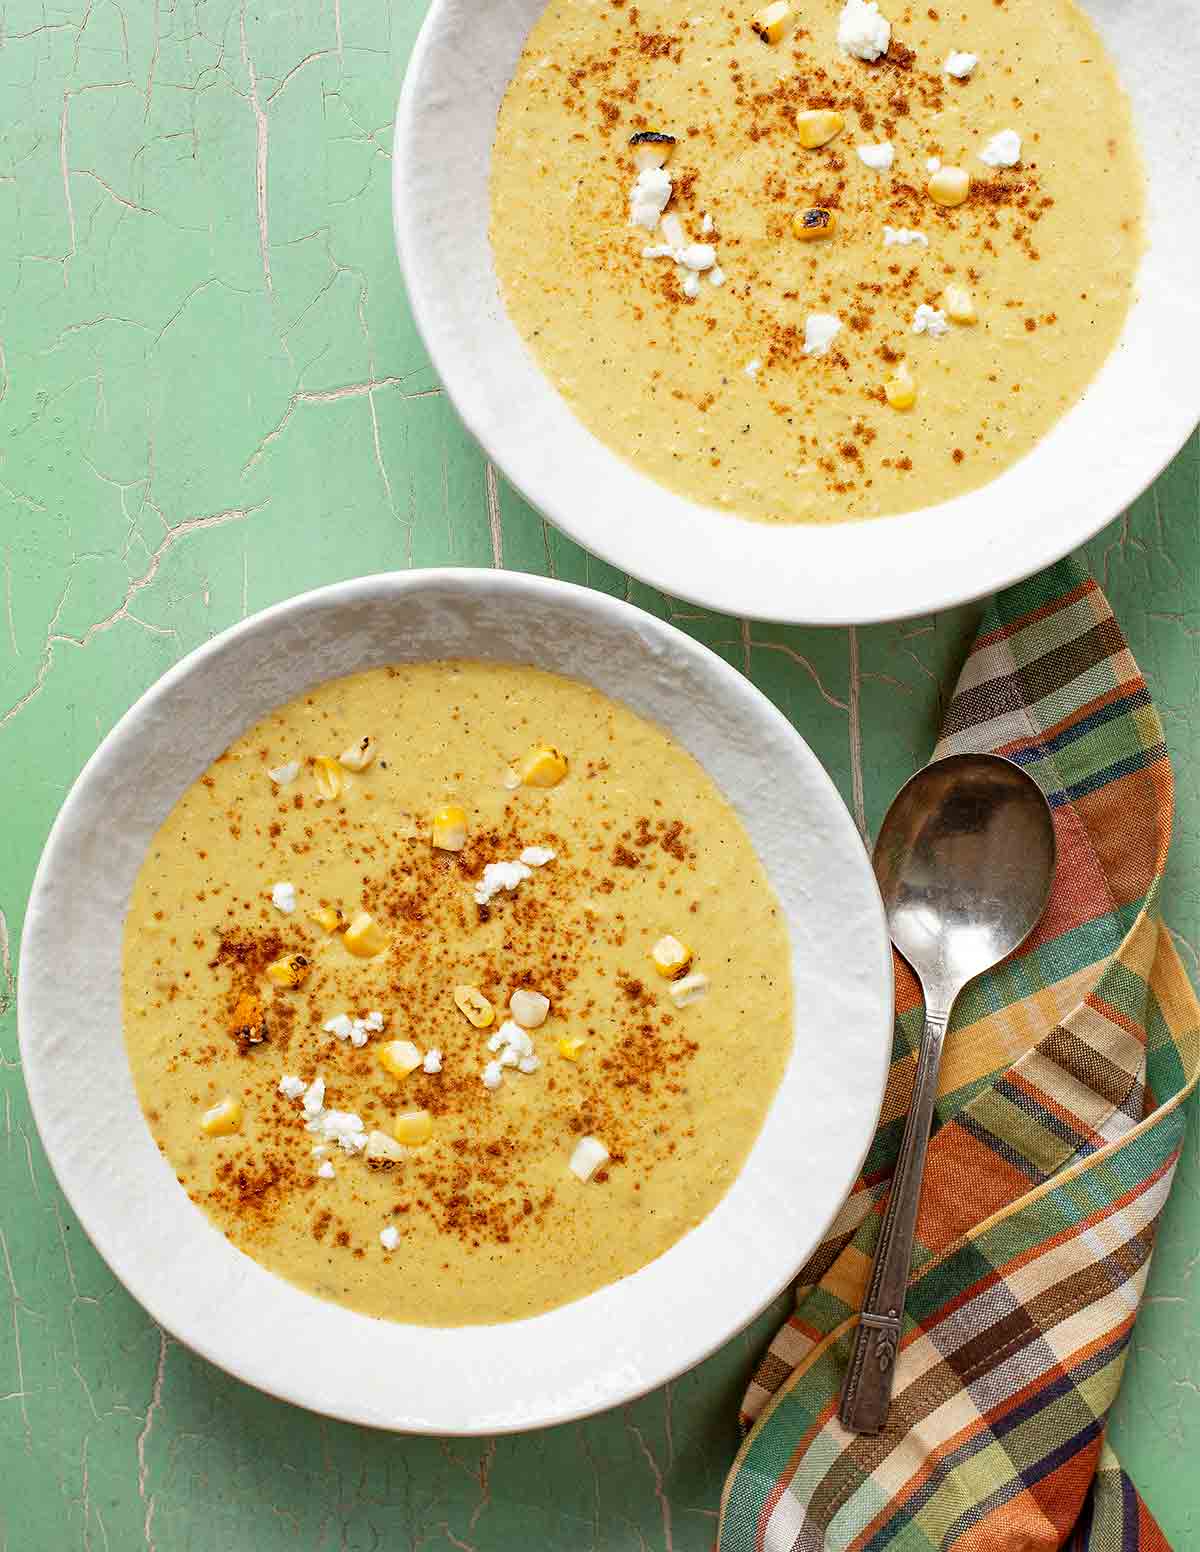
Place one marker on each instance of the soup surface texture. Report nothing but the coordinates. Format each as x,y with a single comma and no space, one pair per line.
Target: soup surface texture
702,351
251,882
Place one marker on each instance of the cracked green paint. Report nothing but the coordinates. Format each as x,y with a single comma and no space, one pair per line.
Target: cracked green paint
211,396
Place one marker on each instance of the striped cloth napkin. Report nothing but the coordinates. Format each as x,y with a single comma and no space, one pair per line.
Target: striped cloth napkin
1056,1139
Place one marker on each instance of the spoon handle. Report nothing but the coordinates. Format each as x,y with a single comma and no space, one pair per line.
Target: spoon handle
867,1391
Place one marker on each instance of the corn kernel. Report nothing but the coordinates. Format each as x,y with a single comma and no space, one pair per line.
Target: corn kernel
382,1151
449,828
817,127
808,225
529,1009
769,23
364,936
291,970
329,918
571,1045
474,1006
544,766
328,775
247,1023
399,1057
359,755
223,1119
671,957
413,1128
900,389
949,185
959,304
690,989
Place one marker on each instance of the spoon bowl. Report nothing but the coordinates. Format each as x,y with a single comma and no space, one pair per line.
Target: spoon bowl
964,861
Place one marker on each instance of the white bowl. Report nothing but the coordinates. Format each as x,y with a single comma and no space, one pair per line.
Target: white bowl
1105,451
627,1337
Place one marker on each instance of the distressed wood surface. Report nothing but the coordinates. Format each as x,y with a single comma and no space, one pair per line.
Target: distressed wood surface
212,396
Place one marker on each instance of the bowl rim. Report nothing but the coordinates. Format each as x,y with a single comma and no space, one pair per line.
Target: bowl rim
809,581
82,1190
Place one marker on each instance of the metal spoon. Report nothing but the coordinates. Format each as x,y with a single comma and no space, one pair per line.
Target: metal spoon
965,861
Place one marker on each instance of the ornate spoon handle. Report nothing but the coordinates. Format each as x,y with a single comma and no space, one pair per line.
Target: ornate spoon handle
867,1391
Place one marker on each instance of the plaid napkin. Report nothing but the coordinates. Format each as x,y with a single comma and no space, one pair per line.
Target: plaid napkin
1057,1133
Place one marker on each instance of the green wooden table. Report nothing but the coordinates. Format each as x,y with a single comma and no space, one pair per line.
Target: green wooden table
212,396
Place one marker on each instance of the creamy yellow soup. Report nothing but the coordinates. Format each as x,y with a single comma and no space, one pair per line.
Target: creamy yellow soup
715,394
281,861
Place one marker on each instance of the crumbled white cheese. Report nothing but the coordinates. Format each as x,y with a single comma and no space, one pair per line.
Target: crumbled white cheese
511,779
880,157
1002,150
314,1096
932,163
706,224
819,331
326,1171
648,197
340,1126
515,1050
751,368
699,256
498,876
283,897
590,1153
673,232
930,320
716,275
903,237
959,64
432,1061
356,1030
507,875
689,282
291,1087
690,989
282,774
389,1238
862,31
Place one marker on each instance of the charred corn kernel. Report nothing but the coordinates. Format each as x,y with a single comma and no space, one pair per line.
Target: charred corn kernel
900,389
544,766
817,127
671,957
769,23
329,918
382,1151
949,185
571,1045
359,755
651,148
364,936
223,1119
328,776
291,970
399,1057
450,828
474,1006
815,222
959,304
413,1128
247,1024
